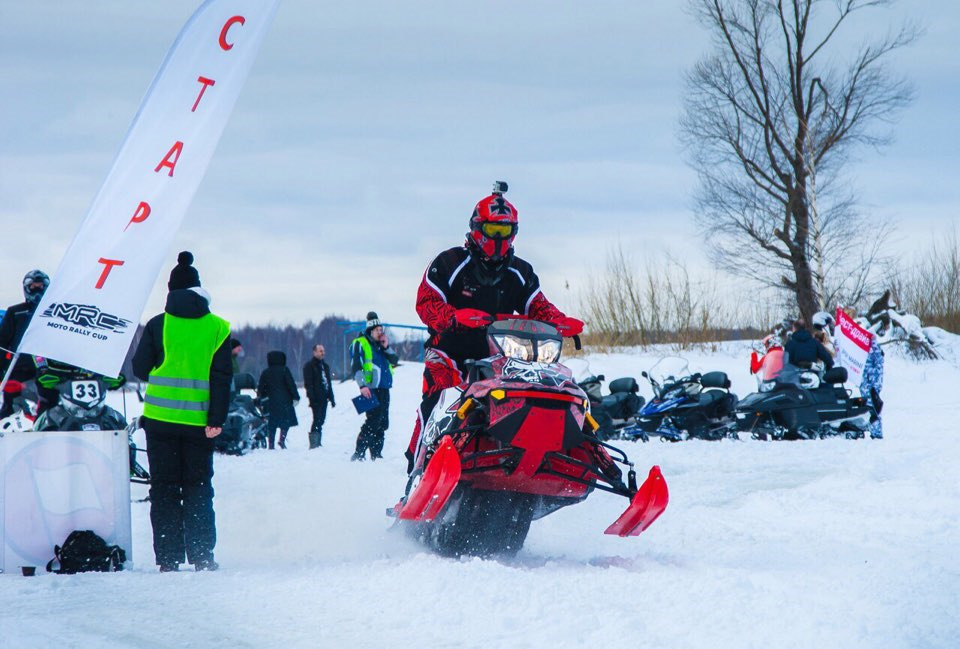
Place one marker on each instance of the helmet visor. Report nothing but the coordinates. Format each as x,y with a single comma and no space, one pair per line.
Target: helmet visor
495,230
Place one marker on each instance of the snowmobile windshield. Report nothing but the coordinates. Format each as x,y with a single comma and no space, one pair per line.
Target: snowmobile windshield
669,369
526,340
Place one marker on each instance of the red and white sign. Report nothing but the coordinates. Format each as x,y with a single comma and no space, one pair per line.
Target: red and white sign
853,345
90,312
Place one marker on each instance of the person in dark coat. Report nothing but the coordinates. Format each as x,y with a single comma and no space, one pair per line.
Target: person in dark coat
319,388
803,348
184,356
280,392
14,324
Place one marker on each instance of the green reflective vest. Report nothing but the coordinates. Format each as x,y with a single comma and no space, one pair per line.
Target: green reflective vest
178,391
366,360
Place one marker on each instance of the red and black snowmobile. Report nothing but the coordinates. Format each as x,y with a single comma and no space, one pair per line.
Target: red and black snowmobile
513,444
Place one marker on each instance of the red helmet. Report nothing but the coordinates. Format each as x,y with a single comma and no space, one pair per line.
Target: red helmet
493,225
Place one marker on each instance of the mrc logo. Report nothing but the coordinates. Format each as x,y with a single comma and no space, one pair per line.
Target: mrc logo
87,316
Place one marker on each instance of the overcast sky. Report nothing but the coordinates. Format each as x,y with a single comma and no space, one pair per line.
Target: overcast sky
368,129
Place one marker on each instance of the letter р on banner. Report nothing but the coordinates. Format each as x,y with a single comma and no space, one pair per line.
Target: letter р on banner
90,312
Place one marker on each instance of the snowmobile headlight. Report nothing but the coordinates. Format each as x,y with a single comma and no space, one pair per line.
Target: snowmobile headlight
514,347
548,351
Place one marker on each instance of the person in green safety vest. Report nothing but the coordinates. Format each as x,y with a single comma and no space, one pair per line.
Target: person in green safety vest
184,356
373,372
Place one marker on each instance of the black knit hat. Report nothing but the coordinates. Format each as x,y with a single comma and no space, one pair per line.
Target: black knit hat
183,275
373,321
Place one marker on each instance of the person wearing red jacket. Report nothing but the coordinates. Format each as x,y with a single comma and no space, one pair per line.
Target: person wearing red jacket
462,291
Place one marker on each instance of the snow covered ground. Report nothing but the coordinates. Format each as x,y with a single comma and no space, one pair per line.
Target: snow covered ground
832,543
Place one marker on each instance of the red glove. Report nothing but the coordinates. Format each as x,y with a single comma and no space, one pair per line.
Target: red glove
568,326
473,318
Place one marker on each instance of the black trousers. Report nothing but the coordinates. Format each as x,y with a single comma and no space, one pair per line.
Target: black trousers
316,428
181,492
375,426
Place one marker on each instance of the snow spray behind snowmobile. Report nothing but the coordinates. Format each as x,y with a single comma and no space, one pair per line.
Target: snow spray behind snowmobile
687,406
513,444
804,403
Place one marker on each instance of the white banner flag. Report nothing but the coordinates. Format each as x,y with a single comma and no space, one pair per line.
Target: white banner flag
90,312
853,346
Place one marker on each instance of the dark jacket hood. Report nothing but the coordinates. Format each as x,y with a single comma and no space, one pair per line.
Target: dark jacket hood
185,303
801,335
276,358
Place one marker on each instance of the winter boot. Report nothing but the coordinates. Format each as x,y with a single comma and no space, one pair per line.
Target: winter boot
283,439
271,437
314,440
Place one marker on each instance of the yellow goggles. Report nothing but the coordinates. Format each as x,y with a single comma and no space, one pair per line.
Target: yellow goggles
498,230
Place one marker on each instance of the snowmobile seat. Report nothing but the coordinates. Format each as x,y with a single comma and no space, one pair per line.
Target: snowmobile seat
622,405
716,404
591,385
835,375
715,380
244,381
626,384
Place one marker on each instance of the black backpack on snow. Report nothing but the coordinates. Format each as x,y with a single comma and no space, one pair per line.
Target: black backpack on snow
85,551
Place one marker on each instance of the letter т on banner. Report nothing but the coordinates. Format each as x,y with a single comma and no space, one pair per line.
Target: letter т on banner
124,241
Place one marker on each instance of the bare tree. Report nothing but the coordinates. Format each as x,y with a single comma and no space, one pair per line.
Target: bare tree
770,118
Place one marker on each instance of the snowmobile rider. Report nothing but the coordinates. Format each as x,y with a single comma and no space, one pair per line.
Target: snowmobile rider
373,372
803,349
15,322
464,288
184,356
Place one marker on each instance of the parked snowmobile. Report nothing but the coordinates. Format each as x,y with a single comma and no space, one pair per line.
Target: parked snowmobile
82,406
803,403
616,413
246,426
24,410
513,444
687,406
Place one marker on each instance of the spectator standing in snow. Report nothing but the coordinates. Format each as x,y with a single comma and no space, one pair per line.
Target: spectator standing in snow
871,382
236,353
184,356
319,388
373,372
280,393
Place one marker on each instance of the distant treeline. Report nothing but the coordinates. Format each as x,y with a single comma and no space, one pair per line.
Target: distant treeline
298,341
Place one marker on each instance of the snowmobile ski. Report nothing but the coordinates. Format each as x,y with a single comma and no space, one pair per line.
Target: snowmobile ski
645,506
431,493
